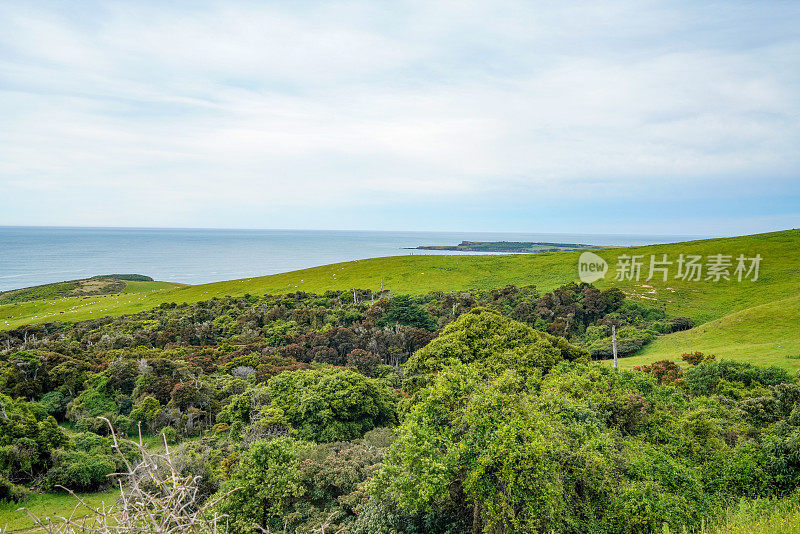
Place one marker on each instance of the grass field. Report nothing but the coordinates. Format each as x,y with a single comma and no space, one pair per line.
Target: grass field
80,308
50,505
96,285
768,334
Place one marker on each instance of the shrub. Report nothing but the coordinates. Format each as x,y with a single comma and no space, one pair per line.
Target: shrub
89,441
331,404
629,340
696,358
705,378
170,435
666,371
262,487
55,403
364,361
146,412
12,492
496,342
403,310
79,470
159,498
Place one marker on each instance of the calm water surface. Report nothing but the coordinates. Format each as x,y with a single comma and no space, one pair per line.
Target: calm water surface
39,255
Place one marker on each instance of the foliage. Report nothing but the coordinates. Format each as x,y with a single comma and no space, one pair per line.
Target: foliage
665,371
697,357
503,426
146,412
486,337
261,488
11,492
80,470
710,377
26,443
156,499
587,449
403,310
363,361
331,404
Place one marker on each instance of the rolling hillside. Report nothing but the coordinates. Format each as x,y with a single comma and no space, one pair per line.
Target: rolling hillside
766,335
109,284
746,317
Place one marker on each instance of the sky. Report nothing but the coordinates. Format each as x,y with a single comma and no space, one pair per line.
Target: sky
595,117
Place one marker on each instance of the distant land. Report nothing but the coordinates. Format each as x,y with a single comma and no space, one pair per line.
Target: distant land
34,256
509,246
107,284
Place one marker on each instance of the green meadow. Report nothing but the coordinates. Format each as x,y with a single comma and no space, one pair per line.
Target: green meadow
52,505
766,335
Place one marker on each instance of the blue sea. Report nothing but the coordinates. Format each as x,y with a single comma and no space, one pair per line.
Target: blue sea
40,255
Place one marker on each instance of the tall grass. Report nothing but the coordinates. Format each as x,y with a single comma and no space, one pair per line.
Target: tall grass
756,516
762,516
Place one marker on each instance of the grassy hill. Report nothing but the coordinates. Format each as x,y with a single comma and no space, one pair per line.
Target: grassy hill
109,284
765,334
743,318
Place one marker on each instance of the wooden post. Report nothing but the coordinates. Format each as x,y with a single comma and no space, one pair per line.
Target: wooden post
614,343
354,296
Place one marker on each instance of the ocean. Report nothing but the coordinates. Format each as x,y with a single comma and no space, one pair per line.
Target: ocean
40,255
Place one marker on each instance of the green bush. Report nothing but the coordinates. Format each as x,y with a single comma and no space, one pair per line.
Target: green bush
331,404
705,378
629,340
267,479
495,342
12,492
25,442
403,310
170,435
89,441
80,471
55,403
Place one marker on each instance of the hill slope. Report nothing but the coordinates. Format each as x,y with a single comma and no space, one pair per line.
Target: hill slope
768,334
109,284
704,300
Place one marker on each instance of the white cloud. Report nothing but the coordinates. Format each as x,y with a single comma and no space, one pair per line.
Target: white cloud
184,107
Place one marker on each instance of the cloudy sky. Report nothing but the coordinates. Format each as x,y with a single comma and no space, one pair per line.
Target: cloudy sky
622,117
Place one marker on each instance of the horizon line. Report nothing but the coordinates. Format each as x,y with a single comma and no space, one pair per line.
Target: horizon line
81,227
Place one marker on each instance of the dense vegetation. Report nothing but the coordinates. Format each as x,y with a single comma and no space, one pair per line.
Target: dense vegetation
473,411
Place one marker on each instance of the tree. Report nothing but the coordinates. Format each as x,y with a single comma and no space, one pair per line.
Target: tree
26,443
494,341
402,310
364,361
80,471
146,411
331,404
494,452
263,486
